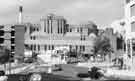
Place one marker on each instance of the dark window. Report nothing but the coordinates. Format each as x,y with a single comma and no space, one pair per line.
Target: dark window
34,37
31,37
70,30
45,47
12,33
77,29
38,47
25,29
52,47
70,47
12,55
82,37
127,1
12,40
34,47
48,26
81,30
44,27
12,48
133,10
49,47
1,27
83,48
31,47
76,47
1,32
51,26
13,27
119,43
58,25
1,40
37,29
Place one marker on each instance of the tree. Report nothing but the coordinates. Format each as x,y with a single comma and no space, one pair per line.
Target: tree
4,55
103,46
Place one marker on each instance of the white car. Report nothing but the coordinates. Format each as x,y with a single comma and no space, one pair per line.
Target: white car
3,78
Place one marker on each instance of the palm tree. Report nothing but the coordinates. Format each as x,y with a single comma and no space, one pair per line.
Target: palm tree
103,47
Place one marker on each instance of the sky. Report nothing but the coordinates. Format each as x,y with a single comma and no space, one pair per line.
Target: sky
101,12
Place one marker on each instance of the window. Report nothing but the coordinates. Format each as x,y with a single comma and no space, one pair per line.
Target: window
49,47
133,27
31,47
81,30
12,40
82,37
1,27
52,47
45,47
76,47
37,29
133,10
34,47
13,27
58,26
77,29
48,26
127,1
1,40
12,33
70,47
38,47
1,32
83,48
12,48
70,30
34,37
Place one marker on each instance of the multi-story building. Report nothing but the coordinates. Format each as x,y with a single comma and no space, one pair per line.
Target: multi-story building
130,26
12,37
7,37
55,32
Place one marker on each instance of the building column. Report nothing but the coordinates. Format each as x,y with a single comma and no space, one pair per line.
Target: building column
131,52
62,26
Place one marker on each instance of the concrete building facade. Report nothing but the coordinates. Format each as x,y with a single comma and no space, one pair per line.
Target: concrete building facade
55,32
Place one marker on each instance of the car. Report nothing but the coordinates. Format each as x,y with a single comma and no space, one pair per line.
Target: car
38,76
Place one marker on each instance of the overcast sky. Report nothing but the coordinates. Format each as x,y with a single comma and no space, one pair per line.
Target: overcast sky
102,12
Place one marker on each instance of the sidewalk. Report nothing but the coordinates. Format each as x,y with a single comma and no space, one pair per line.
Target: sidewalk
17,69
91,64
121,74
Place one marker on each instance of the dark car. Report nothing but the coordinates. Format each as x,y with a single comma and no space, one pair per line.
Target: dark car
38,76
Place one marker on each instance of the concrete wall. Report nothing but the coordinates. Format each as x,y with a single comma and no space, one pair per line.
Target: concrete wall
19,40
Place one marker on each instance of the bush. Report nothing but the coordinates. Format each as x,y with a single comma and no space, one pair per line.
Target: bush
2,73
83,75
94,73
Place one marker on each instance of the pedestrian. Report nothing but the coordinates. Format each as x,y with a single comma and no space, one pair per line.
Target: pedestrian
121,63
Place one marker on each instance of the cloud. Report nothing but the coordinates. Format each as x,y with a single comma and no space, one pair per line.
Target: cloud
102,12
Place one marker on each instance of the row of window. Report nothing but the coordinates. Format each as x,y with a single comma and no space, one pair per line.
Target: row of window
49,29
51,47
38,47
2,33
12,40
82,48
33,38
